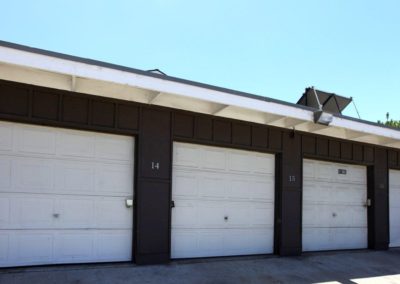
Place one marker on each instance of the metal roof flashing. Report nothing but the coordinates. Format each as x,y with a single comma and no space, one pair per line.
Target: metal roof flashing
60,71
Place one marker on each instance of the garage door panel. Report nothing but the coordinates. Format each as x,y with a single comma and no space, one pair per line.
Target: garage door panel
212,186
239,187
112,213
323,171
107,147
240,162
331,193
338,216
6,137
211,242
60,200
263,189
4,246
36,140
115,245
114,179
184,243
75,212
395,179
185,214
239,242
308,171
238,214
187,156
33,174
334,215
72,245
5,174
64,246
210,214
74,177
262,241
4,211
335,238
395,234
246,242
185,184
264,165
213,159
32,246
350,194
316,193
250,187
262,215
32,211
394,208
235,184
354,174
395,198
79,145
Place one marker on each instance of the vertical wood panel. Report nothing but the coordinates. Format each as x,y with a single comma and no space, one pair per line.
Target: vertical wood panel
334,149
392,158
222,131
14,100
45,105
103,113
309,144
378,216
346,151
241,134
358,153
155,144
260,136
128,117
153,187
203,128
322,146
153,221
275,139
183,125
289,215
75,109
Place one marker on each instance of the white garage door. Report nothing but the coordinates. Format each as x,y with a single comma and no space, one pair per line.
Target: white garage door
394,208
224,202
62,196
334,212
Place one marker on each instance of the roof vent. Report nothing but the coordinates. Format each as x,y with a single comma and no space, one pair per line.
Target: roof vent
326,104
157,71
323,101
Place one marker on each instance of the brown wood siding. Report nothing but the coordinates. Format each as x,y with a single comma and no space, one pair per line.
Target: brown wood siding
154,187
156,128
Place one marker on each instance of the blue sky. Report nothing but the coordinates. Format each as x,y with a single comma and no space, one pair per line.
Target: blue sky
269,48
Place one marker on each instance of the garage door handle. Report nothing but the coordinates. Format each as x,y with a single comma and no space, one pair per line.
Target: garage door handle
226,218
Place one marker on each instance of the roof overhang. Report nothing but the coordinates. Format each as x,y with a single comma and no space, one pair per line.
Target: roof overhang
74,74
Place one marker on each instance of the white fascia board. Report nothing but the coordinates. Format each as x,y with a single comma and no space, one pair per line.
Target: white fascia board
76,69
364,127
83,70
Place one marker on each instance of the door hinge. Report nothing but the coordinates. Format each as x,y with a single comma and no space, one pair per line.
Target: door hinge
172,204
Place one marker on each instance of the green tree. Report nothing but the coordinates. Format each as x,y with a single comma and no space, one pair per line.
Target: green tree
390,121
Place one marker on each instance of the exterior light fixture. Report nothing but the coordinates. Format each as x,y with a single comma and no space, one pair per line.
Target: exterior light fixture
322,117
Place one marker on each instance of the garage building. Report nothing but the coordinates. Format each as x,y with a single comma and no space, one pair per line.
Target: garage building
104,163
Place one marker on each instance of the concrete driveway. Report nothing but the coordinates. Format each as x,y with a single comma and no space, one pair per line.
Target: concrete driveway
334,267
